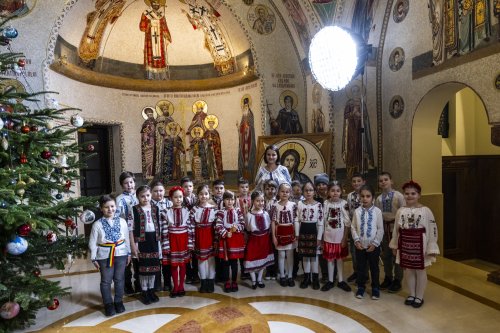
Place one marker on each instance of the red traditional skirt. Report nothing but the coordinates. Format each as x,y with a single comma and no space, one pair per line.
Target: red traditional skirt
204,242
411,248
232,247
332,251
285,234
259,253
179,253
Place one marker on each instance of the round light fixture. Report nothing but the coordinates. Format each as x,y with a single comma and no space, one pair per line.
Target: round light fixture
333,57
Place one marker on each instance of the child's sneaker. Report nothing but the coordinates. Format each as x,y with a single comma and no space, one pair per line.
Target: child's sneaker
227,287
375,293
360,293
234,287
344,286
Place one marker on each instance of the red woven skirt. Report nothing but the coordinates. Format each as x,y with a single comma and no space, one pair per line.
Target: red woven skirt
232,247
332,251
204,242
179,253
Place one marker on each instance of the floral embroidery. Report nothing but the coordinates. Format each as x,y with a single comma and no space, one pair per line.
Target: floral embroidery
366,223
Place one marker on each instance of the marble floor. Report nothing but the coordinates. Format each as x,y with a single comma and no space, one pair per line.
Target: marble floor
447,308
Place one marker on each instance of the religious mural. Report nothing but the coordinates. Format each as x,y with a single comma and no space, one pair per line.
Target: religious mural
318,117
303,155
458,27
300,23
148,138
357,149
287,121
156,38
262,19
106,13
396,106
396,59
246,135
326,10
202,15
15,8
400,10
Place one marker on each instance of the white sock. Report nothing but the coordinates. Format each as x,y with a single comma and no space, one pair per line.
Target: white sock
306,262
281,262
340,270
211,268
289,263
330,271
421,283
203,269
411,281
314,264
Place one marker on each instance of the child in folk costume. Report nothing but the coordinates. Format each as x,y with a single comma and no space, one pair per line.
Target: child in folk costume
189,202
218,191
202,217
310,218
296,192
285,227
389,202
353,202
243,202
367,231
229,226
270,190
414,241
158,199
147,237
259,252
109,246
124,204
177,240
337,226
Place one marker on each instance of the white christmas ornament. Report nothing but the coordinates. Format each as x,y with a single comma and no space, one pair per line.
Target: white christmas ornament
87,217
5,143
50,124
1,123
17,246
77,121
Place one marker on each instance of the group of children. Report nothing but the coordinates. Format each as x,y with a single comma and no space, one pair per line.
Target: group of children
271,230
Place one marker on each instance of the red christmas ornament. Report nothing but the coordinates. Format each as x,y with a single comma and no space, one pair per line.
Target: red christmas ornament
25,129
68,222
54,305
23,159
73,225
68,184
21,63
9,108
90,147
46,154
51,237
9,124
24,230
37,272
34,128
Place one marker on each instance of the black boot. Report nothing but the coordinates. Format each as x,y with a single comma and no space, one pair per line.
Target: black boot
203,286
211,285
315,281
119,307
146,300
306,281
109,309
152,296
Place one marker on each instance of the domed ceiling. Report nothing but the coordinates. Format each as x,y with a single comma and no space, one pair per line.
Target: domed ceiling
111,40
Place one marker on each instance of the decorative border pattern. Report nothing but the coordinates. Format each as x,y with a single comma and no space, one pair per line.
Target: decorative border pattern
331,122
380,53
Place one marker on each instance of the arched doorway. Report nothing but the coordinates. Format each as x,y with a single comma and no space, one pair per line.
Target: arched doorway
459,173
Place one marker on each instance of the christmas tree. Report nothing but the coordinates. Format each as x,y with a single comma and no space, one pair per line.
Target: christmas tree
39,163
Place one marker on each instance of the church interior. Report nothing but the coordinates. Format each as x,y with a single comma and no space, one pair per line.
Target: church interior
227,78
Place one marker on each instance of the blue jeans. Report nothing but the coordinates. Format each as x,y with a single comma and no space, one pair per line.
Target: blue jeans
114,274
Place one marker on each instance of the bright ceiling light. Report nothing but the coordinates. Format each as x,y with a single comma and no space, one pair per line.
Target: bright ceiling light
333,57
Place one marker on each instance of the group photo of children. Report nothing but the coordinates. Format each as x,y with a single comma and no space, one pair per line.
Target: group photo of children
153,238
